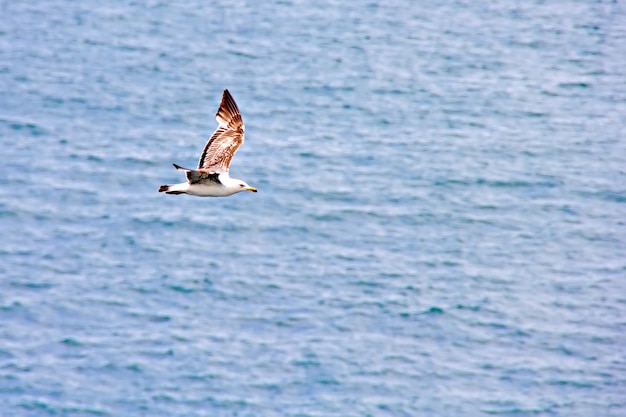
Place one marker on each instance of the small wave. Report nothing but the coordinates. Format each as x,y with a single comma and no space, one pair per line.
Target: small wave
570,85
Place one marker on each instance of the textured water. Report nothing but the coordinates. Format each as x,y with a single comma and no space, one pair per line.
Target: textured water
439,229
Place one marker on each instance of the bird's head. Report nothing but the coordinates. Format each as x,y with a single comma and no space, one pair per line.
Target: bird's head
245,187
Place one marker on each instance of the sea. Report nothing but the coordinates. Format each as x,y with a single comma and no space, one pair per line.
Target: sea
440,226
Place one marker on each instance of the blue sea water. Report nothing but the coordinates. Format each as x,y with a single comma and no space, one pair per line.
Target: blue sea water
439,228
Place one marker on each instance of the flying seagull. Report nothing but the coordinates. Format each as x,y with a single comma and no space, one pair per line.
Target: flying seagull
211,179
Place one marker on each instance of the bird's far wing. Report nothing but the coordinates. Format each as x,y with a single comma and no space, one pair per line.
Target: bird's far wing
195,176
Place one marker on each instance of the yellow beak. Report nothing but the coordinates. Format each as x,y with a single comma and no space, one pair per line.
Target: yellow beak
251,189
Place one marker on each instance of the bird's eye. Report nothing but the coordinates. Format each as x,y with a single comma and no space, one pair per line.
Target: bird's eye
241,185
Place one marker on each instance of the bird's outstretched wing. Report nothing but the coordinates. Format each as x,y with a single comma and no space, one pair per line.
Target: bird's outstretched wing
227,138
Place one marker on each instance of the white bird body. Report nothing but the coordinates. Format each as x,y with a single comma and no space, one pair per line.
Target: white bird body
226,186
211,178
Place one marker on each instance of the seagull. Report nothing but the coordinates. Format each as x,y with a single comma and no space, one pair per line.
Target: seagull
211,179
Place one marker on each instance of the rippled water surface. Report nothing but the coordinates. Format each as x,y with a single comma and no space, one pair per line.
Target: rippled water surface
439,228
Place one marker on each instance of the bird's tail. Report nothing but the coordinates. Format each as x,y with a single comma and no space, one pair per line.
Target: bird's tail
166,189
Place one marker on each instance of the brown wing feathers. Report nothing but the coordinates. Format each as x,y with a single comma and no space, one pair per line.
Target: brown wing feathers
228,114
227,138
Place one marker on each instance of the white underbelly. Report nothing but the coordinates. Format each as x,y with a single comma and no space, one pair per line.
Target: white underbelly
212,190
